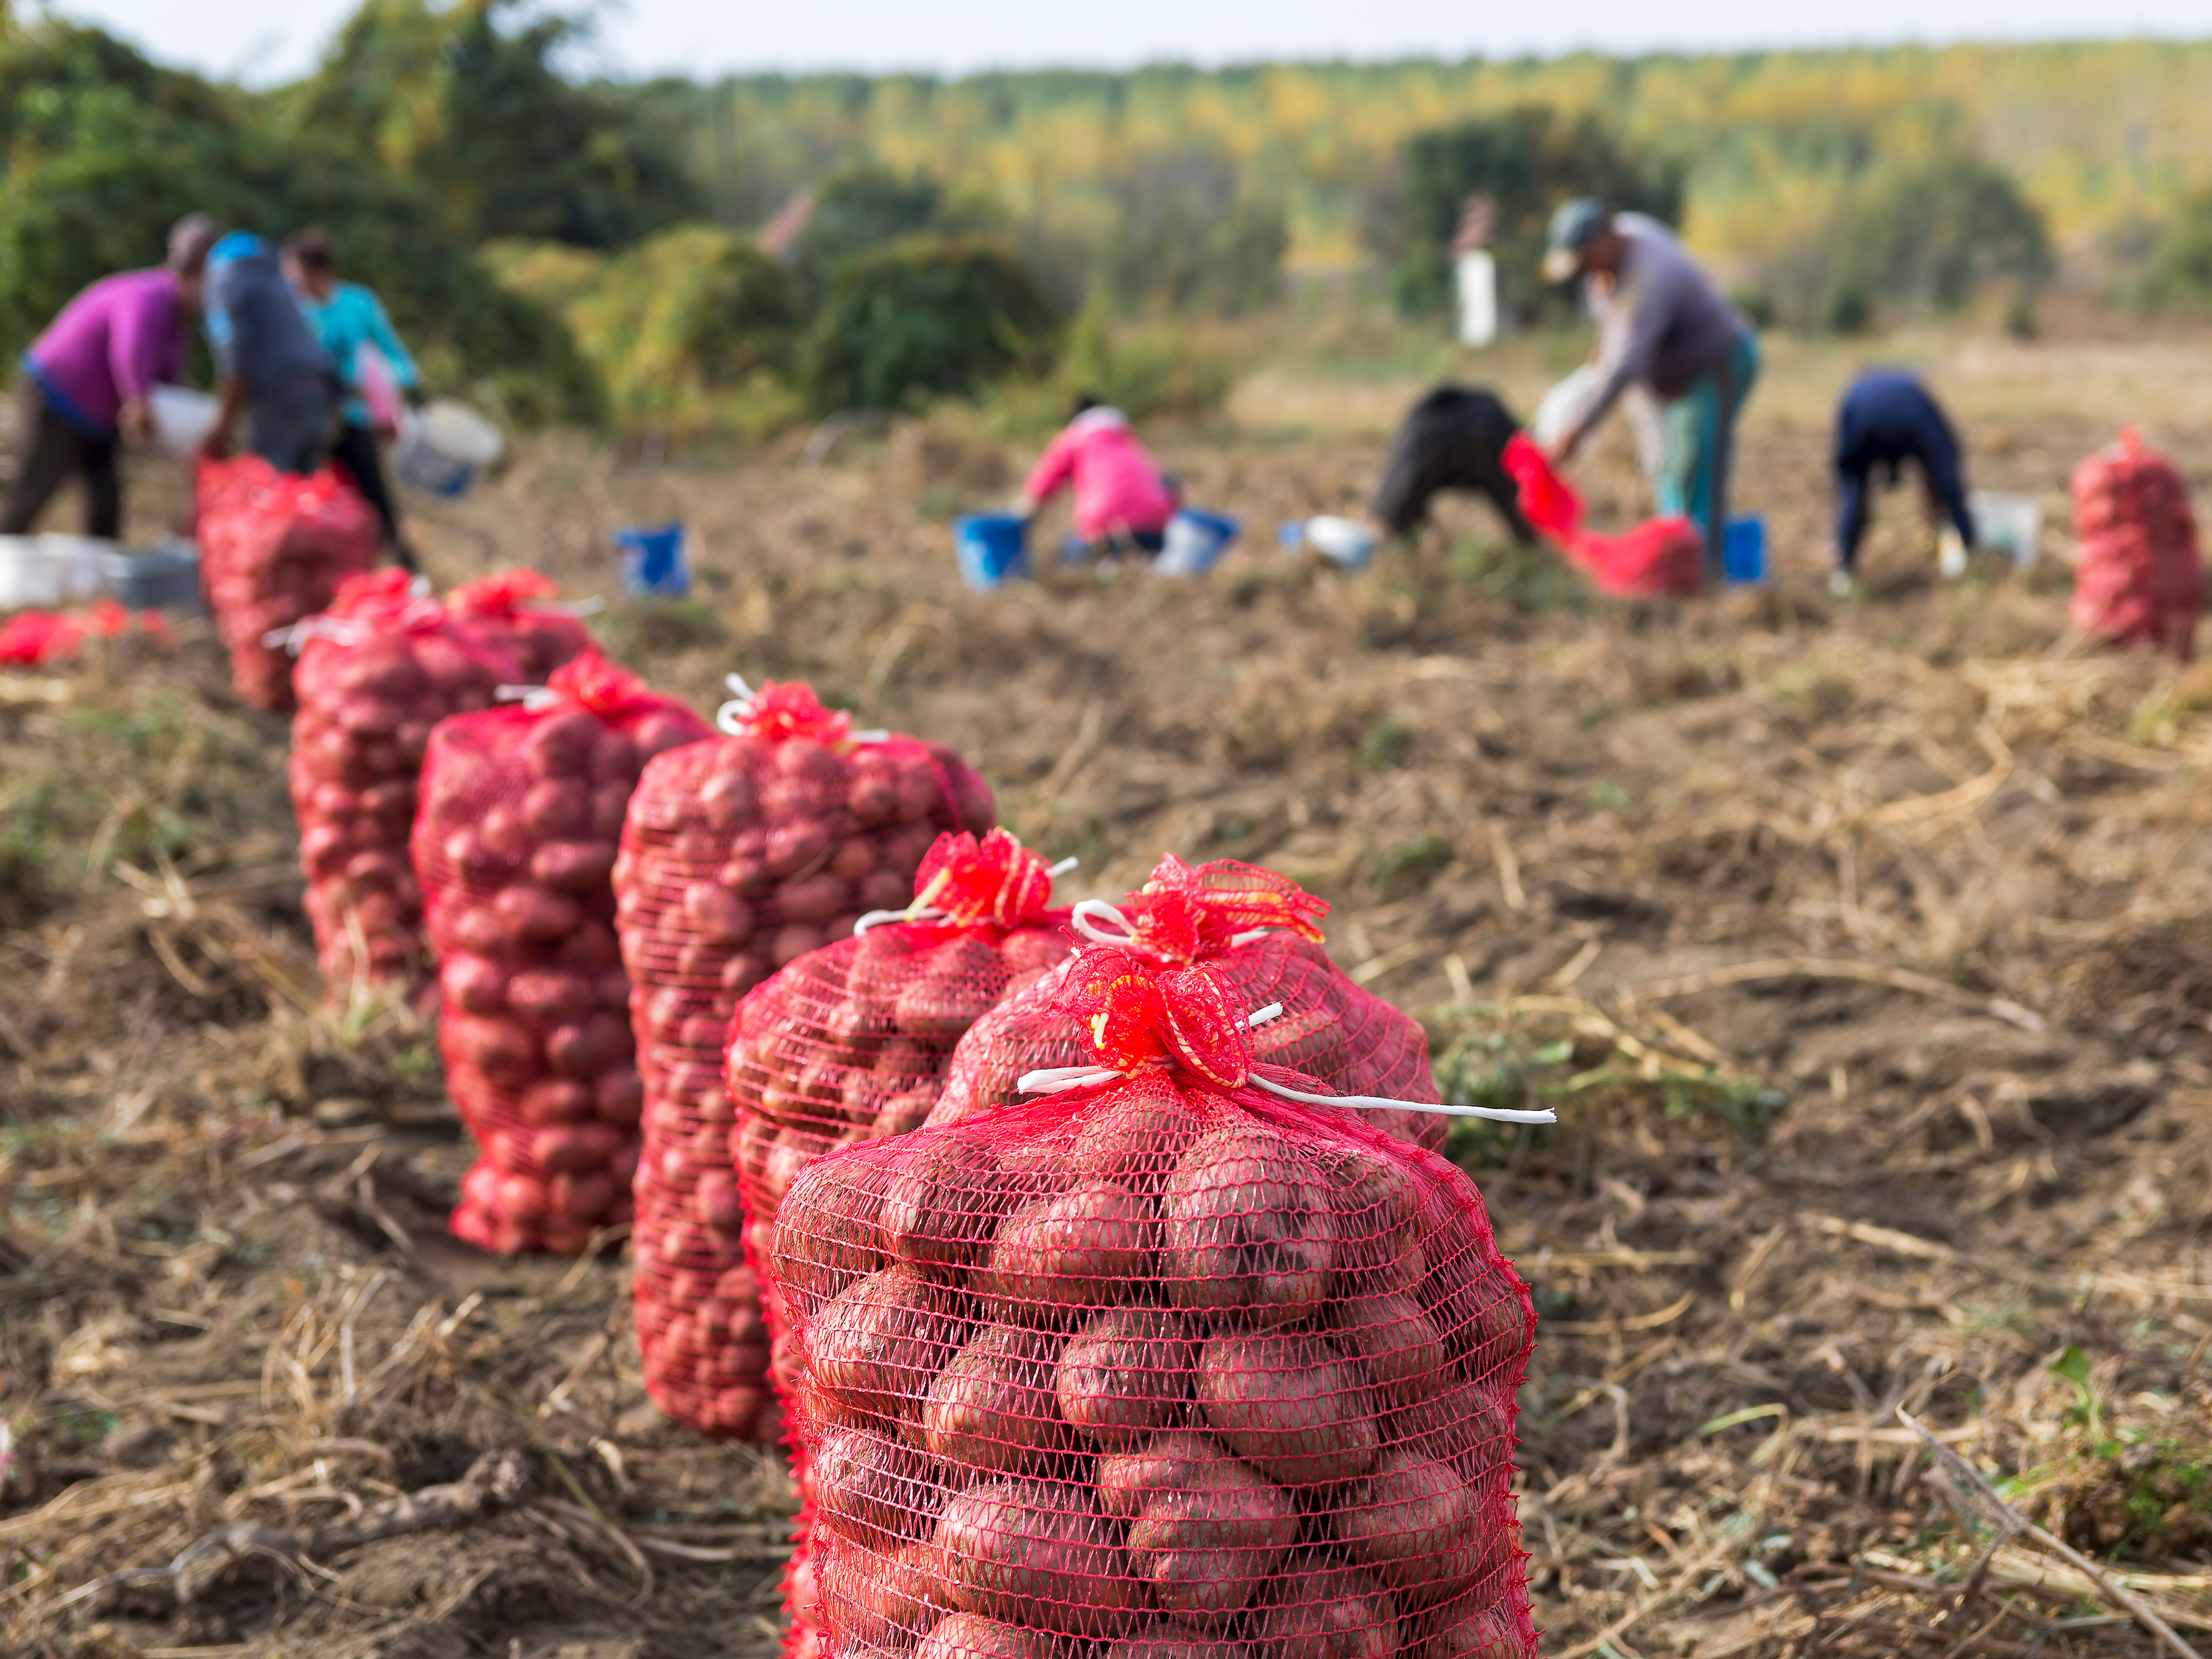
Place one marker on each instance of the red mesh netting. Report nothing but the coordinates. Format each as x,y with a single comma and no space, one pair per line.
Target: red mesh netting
514,845
381,667
1262,933
524,607
1659,558
2140,579
740,855
1163,1361
850,1042
274,548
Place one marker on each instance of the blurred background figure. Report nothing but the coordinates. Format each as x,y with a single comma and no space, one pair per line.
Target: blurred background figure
1474,272
86,381
1122,500
1887,418
1452,440
269,364
374,368
1664,326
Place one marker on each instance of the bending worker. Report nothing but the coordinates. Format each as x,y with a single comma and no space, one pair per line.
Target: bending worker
88,378
1888,417
350,318
1662,326
1122,500
269,364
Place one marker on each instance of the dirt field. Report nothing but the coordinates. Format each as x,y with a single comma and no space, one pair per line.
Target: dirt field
1865,950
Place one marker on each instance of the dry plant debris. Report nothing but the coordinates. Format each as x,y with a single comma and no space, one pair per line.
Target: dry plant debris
1867,950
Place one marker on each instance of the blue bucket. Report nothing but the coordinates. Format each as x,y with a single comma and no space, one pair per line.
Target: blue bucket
1743,551
1196,539
993,548
652,564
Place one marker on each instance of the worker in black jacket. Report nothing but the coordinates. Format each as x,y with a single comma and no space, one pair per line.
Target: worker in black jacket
1886,418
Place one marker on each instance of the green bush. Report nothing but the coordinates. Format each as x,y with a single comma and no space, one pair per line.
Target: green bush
104,150
1929,236
693,330
923,317
2178,275
465,101
860,207
1528,161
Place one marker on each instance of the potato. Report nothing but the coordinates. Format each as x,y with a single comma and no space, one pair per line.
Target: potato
873,1350
536,915
826,1237
942,1207
992,1409
872,1490
1289,1404
1418,1529
969,1636
1206,1549
1398,1342
1125,1376
572,866
1037,1553
1478,1632
1250,1233
1090,1247
1320,1608
889,1603
1138,1138
1171,1463
962,979
553,1100
1454,1421
547,993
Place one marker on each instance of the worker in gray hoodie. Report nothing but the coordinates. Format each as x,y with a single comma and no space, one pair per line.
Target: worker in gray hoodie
1662,326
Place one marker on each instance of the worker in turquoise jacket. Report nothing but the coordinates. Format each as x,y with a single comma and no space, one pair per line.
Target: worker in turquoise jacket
347,318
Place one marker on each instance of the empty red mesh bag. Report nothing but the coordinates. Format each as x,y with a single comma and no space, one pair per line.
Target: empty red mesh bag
2140,579
1162,1361
850,1042
1262,933
526,607
377,670
274,548
1659,558
741,854
514,845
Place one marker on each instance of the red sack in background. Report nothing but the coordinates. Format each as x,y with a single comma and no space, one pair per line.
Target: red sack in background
274,548
514,845
739,855
2140,577
1660,558
376,671
1260,932
1163,1359
526,608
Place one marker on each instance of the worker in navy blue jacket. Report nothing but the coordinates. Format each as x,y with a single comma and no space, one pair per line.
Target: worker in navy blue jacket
1887,418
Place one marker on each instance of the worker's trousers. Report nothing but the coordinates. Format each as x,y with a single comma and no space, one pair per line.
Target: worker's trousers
1700,450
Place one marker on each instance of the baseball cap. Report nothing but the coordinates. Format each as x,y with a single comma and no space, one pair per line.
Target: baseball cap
1574,224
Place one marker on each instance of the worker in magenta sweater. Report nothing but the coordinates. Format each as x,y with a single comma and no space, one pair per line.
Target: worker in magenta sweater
1122,500
87,379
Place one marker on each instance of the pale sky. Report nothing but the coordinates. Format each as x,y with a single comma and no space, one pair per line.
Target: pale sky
267,40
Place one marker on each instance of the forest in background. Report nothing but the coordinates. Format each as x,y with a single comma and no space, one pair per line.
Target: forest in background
578,249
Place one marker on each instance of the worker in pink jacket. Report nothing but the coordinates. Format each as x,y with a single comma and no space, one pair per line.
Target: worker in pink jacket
1122,500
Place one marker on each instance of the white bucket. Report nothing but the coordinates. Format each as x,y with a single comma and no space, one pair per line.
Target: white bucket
2011,525
182,419
442,448
42,572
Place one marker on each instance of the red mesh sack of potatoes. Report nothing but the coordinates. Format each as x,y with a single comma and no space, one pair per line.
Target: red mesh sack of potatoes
274,548
1262,933
740,855
2140,579
526,609
378,669
1183,1358
516,845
